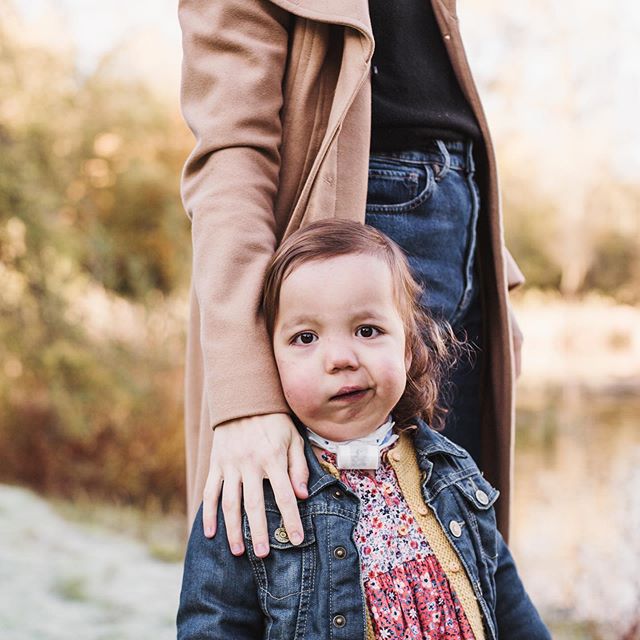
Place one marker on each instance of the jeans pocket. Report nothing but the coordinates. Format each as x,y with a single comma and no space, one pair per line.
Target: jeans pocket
434,222
397,187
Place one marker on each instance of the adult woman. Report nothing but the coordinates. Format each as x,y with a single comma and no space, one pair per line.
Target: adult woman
278,95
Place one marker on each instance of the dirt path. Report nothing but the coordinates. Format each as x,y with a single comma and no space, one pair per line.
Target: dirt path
60,580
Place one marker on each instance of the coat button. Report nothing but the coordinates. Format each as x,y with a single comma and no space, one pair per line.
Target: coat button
482,497
423,510
339,621
454,567
340,553
337,494
455,528
281,535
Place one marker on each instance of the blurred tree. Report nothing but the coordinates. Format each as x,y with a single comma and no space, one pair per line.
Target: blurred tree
560,99
89,205
95,250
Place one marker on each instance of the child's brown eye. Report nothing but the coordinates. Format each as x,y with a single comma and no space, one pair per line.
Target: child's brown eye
367,331
304,338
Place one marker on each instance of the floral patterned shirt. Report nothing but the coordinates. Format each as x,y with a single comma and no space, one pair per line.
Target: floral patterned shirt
406,589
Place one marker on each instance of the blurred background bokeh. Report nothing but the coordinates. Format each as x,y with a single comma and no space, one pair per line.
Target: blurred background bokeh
94,273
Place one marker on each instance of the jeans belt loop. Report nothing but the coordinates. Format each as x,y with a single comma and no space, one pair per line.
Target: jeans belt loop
471,165
446,160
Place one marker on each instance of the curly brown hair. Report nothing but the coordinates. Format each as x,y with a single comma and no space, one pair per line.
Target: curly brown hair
431,343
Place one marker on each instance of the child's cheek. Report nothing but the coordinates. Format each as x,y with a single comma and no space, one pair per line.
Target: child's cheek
301,396
394,376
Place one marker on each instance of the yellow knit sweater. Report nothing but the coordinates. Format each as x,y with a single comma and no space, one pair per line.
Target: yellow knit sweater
405,464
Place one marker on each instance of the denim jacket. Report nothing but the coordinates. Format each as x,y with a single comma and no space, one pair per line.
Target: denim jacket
314,591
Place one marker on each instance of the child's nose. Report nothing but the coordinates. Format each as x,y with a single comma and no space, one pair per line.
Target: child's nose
340,355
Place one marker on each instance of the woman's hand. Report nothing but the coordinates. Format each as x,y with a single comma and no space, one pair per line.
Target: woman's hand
244,452
517,339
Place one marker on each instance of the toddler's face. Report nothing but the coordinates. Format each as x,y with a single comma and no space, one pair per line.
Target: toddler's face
339,344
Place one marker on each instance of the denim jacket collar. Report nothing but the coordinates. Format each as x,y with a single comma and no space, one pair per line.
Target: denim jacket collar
428,443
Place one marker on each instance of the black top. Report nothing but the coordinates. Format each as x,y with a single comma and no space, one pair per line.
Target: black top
416,96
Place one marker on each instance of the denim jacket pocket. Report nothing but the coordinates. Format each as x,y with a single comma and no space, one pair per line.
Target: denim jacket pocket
398,187
480,497
289,569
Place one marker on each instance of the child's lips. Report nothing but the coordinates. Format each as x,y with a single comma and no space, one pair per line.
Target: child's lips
350,394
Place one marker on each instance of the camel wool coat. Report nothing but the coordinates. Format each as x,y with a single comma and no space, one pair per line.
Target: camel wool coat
277,94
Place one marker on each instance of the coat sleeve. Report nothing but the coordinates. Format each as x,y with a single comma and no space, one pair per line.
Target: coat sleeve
234,57
516,615
219,597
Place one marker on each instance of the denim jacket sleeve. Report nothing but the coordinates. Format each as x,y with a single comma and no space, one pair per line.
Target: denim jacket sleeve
219,599
516,616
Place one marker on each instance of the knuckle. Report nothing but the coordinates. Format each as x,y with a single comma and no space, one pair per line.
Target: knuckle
253,504
287,503
229,505
253,459
209,494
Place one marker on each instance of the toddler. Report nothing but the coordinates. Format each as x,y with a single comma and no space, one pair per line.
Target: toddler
400,538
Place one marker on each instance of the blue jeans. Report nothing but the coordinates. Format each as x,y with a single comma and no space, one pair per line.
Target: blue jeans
428,202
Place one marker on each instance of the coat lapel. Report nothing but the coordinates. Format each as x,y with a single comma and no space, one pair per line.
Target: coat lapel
351,13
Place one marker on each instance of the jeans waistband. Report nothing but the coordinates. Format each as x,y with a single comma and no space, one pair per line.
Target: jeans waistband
456,154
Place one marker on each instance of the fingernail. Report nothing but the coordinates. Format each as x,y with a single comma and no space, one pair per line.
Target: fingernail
262,550
209,532
237,549
296,537
303,487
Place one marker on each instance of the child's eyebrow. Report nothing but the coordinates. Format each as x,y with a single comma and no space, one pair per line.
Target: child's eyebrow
359,315
368,314
299,320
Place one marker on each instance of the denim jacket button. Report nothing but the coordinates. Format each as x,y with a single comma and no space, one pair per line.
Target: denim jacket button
339,621
482,497
281,535
455,528
340,553
337,494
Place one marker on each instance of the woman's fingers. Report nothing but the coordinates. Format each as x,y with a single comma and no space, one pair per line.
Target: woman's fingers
210,500
231,496
298,469
253,497
286,501
244,452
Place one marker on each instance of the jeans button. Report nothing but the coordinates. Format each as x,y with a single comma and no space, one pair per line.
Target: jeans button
340,553
455,528
339,621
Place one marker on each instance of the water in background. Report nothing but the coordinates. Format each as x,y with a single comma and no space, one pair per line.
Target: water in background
576,525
